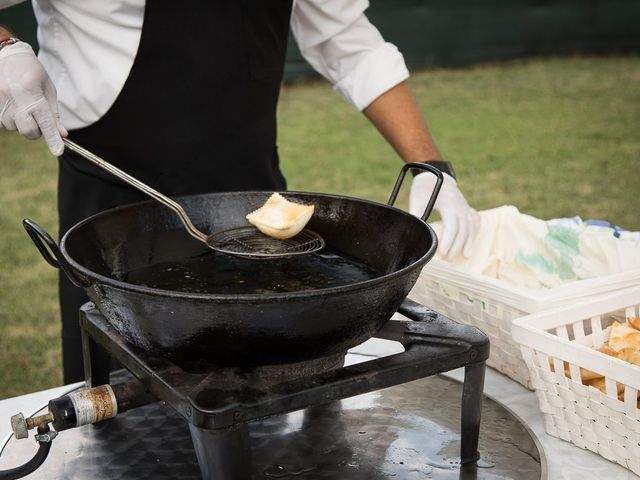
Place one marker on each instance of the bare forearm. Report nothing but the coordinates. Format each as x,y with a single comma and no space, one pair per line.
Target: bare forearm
5,32
396,115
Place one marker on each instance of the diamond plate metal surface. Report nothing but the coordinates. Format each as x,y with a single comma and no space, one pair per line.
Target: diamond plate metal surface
405,432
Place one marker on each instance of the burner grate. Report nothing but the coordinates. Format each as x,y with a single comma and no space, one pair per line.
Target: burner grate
219,402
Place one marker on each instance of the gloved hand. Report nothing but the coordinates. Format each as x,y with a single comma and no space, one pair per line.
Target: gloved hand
460,223
28,98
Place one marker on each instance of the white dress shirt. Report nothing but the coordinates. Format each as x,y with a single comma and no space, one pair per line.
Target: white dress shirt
88,48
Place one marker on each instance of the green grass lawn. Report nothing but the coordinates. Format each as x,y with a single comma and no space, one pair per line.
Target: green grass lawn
555,137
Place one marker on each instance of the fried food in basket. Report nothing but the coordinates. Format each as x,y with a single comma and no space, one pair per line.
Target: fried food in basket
585,375
622,337
629,354
599,383
607,350
280,218
624,344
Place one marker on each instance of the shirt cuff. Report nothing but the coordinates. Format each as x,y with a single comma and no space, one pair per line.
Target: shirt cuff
379,71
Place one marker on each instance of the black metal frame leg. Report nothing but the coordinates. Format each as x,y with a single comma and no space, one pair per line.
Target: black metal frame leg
96,361
471,412
223,454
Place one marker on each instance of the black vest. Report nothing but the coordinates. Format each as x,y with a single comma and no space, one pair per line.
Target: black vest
198,111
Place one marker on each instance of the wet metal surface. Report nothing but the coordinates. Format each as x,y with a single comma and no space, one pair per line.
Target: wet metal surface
410,431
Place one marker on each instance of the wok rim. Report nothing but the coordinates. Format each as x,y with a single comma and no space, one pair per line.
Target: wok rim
247,297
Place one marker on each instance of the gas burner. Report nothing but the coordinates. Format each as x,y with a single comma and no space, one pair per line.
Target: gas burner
218,403
224,407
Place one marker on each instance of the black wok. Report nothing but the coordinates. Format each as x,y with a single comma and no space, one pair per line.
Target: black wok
244,329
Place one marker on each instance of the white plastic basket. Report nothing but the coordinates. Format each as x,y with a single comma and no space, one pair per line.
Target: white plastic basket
492,305
574,412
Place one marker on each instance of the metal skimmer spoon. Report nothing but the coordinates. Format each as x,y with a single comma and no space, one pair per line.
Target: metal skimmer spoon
247,242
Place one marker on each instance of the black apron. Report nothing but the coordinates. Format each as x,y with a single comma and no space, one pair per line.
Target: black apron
197,114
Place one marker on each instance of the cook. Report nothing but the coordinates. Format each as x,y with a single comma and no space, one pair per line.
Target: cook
185,99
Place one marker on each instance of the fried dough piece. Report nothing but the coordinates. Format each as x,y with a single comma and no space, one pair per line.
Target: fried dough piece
622,336
621,398
585,375
630,355
588,375
634,322
599,383
607,350
280,218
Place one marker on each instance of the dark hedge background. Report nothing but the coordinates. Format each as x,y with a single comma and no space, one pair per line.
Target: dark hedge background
459,33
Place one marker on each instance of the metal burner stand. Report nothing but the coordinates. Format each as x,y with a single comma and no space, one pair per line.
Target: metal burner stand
219,401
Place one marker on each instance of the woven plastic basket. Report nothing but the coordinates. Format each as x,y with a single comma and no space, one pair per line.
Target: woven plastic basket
580,414
492,305
494,318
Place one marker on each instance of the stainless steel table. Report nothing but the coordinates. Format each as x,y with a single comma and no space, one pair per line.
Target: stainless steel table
561,460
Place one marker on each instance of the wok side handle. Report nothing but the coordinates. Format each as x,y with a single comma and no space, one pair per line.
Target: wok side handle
434,194
50,251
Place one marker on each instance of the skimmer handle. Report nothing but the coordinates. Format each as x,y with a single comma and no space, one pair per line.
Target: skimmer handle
134,182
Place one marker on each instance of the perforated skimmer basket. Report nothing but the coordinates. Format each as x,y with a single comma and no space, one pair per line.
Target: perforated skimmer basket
249,242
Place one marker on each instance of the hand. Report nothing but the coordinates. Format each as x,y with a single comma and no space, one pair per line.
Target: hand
460,223
28,98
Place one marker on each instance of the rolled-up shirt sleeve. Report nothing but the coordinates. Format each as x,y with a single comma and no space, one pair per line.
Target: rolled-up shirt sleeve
340,43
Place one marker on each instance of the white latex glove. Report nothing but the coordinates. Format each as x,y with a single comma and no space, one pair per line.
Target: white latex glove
28,98
460,223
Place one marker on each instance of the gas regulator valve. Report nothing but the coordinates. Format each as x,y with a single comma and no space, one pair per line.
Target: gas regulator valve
21,426
75,409
81,407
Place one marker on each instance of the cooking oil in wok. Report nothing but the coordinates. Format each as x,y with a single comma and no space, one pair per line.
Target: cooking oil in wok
216,273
